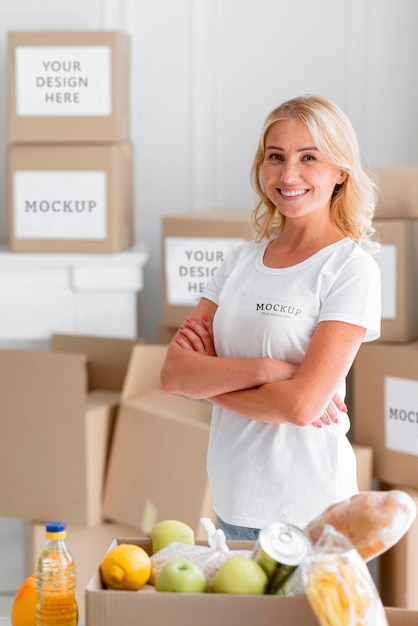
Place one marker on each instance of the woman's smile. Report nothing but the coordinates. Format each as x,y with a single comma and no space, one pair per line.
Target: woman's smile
292,194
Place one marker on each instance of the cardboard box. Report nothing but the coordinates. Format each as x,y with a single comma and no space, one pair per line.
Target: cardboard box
147,607
68,86
157,466
398,566
57,417
398,261
193,246
70,198
385,416
364,459
398,192
166,333
87,546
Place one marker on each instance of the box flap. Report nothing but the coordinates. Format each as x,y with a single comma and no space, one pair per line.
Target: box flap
144,369
186,411
102,398
107,357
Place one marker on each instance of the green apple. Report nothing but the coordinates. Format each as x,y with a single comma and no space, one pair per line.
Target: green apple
240,574
170,530
181,576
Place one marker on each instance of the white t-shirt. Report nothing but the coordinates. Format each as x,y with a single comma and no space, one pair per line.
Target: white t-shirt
261,472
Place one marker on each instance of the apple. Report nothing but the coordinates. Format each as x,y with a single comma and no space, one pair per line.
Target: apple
240,574
181,576
170,530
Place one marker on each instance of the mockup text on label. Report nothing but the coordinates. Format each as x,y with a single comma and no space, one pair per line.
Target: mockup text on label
60,204
401,414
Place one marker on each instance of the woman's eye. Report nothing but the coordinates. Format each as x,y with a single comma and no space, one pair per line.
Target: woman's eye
274,157
309,157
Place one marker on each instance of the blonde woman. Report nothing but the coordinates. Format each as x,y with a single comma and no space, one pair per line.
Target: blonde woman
276,330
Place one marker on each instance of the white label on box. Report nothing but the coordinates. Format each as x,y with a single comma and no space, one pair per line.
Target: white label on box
401,415
387,260
60,205
190,262
63,80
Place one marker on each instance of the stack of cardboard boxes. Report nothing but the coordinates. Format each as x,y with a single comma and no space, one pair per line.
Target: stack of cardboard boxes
385,373
70,193
69,158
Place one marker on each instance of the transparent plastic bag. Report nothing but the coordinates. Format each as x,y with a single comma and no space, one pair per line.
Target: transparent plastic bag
209,557
339,586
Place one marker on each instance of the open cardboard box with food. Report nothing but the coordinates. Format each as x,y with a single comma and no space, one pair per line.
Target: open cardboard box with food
369,523
147,607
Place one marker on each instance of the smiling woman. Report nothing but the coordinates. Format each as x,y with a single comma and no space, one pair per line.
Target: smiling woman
278,326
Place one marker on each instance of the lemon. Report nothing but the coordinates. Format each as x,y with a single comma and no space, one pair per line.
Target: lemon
126,567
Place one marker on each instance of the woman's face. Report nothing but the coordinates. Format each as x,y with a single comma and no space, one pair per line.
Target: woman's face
297,178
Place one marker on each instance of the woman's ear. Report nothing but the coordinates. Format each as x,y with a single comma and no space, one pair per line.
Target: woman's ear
342,177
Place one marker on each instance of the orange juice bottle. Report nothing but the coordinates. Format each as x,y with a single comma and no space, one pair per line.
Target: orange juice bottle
56,580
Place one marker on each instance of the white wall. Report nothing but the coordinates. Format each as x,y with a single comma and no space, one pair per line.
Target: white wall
205,73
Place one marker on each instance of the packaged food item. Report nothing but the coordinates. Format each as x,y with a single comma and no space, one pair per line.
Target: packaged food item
339,586
280,548
373,521
56,580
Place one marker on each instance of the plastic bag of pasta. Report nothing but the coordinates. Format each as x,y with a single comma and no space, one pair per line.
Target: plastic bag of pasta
209,557
339,586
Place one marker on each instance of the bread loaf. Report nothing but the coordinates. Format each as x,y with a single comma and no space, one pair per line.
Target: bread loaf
373,521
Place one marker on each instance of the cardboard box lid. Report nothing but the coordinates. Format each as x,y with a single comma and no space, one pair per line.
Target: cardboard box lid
214,215
144,369
107,357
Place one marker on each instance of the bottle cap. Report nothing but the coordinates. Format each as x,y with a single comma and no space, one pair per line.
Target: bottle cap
55,530
55,527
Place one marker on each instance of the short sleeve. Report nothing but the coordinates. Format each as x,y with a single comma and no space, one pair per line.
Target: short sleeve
355,296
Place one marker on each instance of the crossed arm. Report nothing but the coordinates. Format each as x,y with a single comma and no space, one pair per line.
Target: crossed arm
264,389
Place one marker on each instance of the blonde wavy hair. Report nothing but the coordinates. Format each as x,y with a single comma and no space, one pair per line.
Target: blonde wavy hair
353,203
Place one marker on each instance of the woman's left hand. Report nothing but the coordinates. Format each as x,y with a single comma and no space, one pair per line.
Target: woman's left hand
336,406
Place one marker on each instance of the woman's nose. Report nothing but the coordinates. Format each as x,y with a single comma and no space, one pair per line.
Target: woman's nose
290,172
